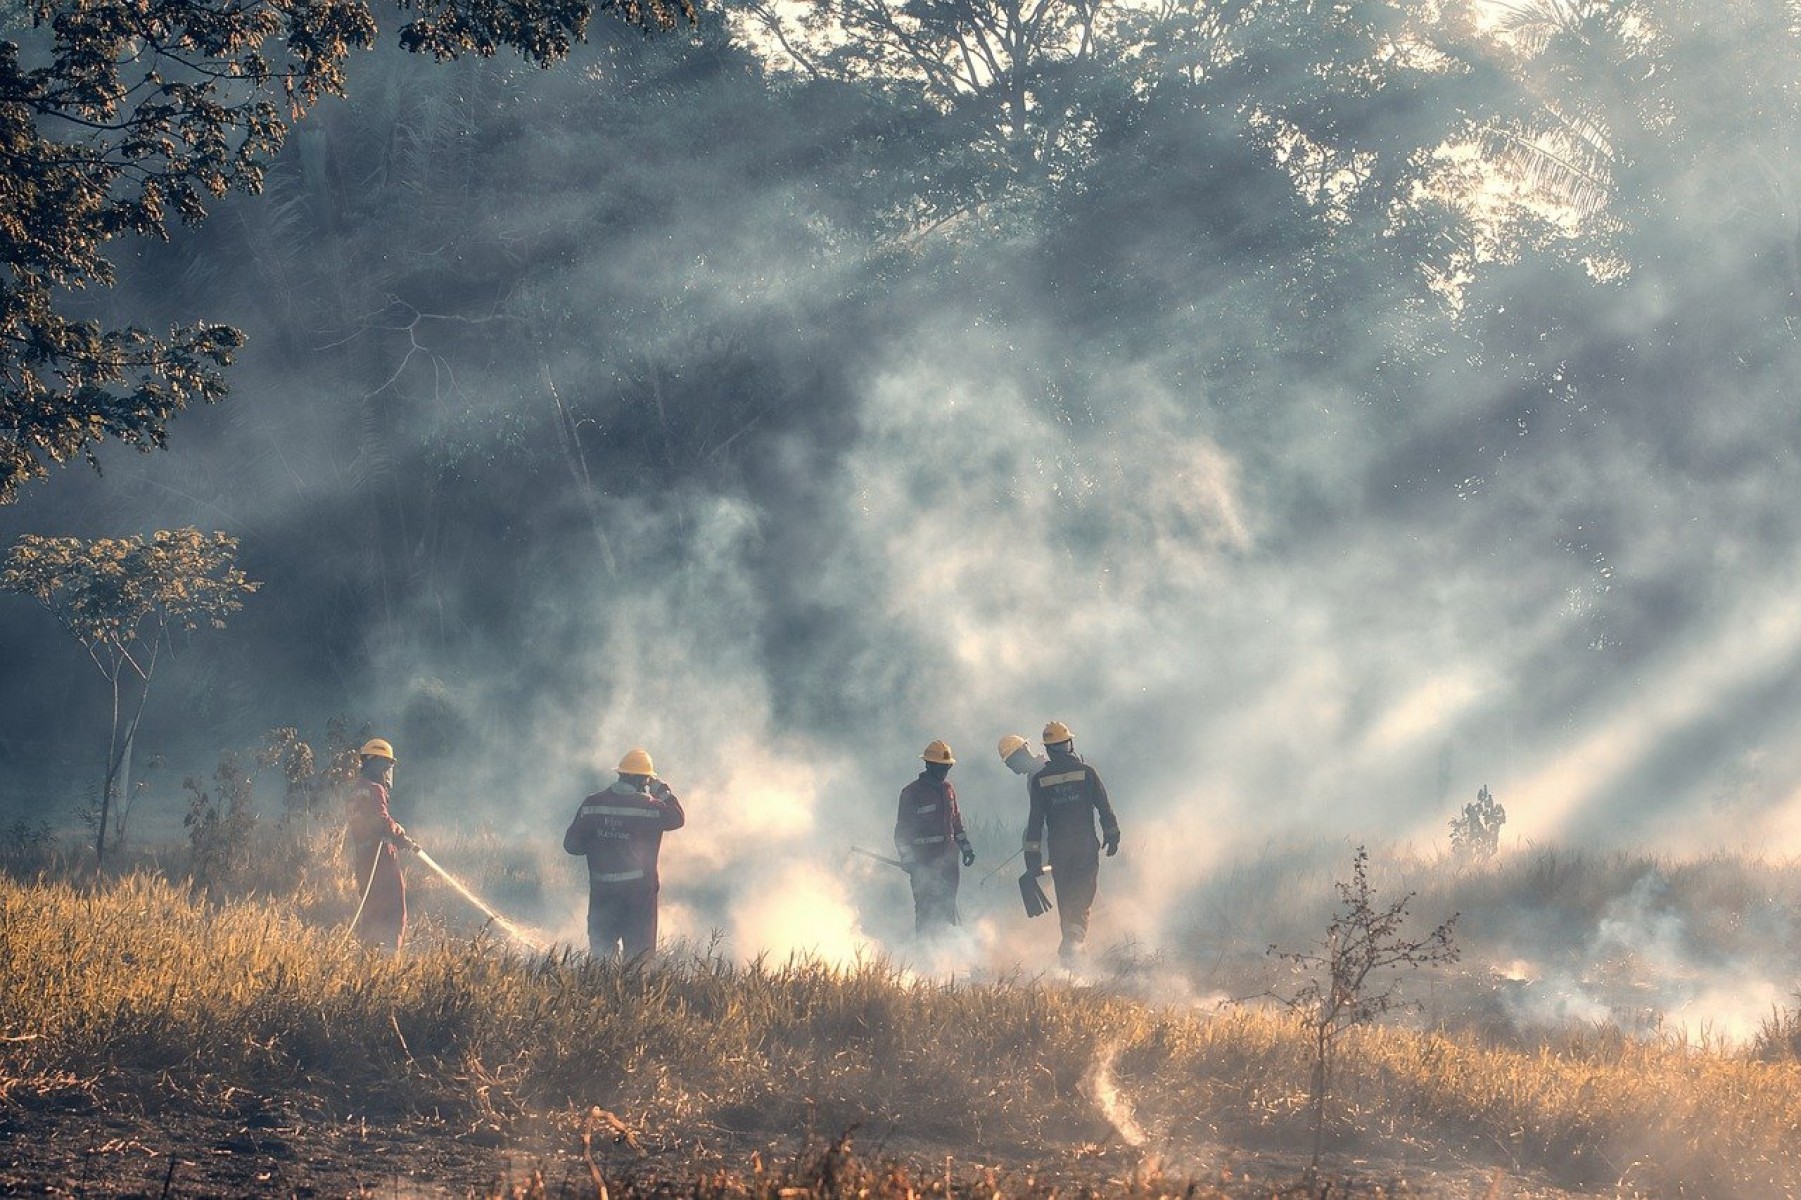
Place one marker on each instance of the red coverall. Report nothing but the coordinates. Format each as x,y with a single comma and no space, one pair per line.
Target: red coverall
1066,795
373,836
928,832
621,831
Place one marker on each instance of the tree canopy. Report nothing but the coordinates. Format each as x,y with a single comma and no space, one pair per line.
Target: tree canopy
733,321
115,115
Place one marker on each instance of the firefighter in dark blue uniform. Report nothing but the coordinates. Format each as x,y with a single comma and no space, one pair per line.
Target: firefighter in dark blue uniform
1066,796
621,831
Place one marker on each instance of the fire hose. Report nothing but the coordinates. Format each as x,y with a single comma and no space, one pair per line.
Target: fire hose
511,930
367,888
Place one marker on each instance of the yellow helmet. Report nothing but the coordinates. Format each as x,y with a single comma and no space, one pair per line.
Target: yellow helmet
636,762
939,753
1056,732
1011,744
377,748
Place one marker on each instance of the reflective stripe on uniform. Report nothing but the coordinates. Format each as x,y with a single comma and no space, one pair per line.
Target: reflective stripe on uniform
1066,777
927,841
1031,847
612,810
614,876
926,808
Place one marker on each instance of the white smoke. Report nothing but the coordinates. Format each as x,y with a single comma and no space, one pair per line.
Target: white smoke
1113,1103
1643,969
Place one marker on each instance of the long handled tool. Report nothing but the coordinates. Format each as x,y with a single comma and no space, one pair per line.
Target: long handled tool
512,930
882,858
997,870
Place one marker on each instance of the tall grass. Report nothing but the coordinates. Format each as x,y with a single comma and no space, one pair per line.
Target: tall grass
138,983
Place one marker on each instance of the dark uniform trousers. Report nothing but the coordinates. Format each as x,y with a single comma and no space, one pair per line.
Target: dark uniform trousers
624,916
1075,884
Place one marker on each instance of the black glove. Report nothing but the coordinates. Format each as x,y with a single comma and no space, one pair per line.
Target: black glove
969,854
1034,863
1111,844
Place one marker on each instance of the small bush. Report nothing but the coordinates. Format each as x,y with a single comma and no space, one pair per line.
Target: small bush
1354,976
219,825
1476,834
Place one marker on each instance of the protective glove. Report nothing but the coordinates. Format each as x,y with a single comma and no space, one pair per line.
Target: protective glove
1111,844
1034,863
969,854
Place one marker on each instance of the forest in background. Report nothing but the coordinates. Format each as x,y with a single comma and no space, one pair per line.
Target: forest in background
1327,407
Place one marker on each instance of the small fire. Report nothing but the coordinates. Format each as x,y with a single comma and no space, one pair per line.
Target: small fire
1517,971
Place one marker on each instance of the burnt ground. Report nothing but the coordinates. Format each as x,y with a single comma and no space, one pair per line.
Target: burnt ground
152,1142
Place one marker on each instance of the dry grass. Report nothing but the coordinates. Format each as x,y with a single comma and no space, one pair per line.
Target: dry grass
135,982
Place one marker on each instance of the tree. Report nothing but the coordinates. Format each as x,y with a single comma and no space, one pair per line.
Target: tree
123,599
1002,74
309,787
113,113
1352,979
1476,835
1587,109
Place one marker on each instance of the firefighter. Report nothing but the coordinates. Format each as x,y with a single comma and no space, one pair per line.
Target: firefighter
375,840
1066,794
1016,752
621,830
929,837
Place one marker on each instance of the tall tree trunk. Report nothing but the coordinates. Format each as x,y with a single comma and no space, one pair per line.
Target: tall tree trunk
112,767
122,810
115,753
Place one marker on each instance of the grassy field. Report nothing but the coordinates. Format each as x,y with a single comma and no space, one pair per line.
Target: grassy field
141,995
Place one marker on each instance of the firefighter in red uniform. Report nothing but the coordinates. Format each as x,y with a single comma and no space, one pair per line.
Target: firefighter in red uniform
621,830
928,836
375,840
1066,795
